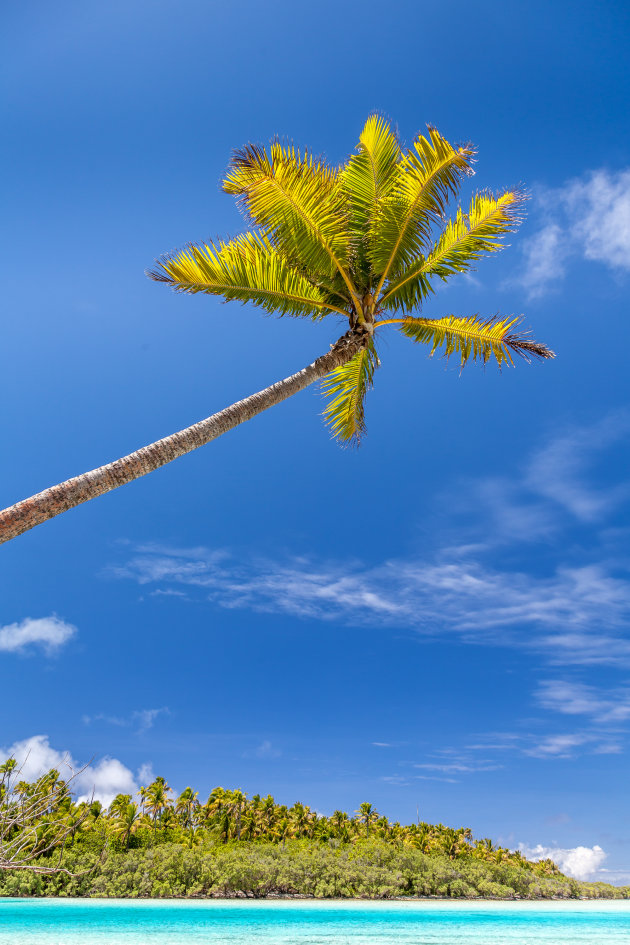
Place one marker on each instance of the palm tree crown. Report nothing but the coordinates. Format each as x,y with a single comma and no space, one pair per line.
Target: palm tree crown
366,241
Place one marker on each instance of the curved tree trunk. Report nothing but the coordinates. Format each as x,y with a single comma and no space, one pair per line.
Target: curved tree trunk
25,515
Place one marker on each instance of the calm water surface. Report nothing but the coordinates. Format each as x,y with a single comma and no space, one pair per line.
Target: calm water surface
125,922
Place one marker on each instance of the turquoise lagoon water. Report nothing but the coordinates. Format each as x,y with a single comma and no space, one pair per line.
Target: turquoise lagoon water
168,922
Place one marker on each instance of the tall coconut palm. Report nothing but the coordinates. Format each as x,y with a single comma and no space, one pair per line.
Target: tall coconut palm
365,242
157,799
235,803
126,819
367,816
268,812
187,806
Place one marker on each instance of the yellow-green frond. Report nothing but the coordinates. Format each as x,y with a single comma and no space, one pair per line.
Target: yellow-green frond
427,176
369,176
464,240
248,269
298,204
347,386
474,337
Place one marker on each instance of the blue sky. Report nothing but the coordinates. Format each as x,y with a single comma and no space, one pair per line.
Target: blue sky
437,621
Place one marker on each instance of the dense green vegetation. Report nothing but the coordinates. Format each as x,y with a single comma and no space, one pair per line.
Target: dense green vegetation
235,845
371,868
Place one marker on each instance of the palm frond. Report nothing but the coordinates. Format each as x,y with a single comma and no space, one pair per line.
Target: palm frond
247,269
464,240
426,176
369,176
473,337
298,204
347,386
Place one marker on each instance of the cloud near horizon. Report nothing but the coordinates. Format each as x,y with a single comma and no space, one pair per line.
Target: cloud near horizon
101,781
581,863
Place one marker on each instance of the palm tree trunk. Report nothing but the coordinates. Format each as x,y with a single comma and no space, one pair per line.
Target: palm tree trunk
28,513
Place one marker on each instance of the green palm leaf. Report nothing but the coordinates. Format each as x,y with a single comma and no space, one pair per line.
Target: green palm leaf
463,241
347,386
426,177
298,204
369,176
474,337
247,269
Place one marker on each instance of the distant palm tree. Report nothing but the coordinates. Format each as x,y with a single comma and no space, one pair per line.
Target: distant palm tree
367,816
156,799
249,825
235,803
127,819
268,812
282,829
299,818
187,806
365,242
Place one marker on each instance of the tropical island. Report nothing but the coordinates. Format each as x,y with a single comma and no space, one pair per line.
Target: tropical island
232,845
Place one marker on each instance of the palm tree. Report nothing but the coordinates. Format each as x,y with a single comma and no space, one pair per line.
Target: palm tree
365,242
156,799
268,813
249,824
340,823
187,806
127,819
282,829
235,803
222,826
168,821
367,816
119,804
302,819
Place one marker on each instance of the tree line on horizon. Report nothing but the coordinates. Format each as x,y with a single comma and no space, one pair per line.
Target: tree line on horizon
230,844
45,815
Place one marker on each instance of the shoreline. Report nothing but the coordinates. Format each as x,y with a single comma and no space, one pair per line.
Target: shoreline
298,898
461,905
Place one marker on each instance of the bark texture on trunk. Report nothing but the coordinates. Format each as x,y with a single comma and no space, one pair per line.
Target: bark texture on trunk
24,515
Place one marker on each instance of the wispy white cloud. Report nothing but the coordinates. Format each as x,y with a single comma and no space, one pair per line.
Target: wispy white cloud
587,218
45,633
580,862
549,746
401,780
145,773
557,471
576,698
574,612
557,746
590,648
102,780
263,751
600,209
559,484
398,780
480,603
458,767
544,256
141,719
146,717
